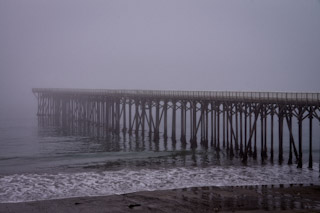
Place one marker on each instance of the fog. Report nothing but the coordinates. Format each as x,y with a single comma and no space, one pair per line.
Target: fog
245,45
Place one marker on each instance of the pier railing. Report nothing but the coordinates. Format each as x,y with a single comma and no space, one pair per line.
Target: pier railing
286,97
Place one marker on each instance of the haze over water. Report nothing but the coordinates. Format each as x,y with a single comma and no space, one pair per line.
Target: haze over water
179,45
46,162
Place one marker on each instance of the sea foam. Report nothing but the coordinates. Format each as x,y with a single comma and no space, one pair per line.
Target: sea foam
30,187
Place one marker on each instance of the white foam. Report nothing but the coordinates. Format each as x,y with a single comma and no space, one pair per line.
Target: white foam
29,187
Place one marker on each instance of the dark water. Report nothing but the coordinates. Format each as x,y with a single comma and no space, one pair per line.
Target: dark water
44,162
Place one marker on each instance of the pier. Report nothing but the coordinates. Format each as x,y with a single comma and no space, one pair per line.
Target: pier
249,124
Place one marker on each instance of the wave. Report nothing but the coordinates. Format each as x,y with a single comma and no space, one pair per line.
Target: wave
31,187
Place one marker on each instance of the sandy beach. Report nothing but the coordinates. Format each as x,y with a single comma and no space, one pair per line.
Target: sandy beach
280,198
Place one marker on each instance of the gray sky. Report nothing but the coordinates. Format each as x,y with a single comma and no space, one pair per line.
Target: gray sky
246,45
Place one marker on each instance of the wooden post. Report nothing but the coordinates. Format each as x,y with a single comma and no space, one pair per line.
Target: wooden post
218,126
271,114
107,116
300,115
250,130
137,116
265,152
117,117
150,118
191,122
143,116
310,136
173,134
223,126
124,111
202,123
231,138
237,124
183,122
241,138
157,124
165,119
212,124
280,115
262,142
245,127
98,118
207,123
290,138
130,116
112,116
227,125
255,152
194,119
245,155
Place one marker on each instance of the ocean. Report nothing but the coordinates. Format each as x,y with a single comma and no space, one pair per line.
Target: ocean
45,162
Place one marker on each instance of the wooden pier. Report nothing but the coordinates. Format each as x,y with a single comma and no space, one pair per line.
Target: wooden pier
246,123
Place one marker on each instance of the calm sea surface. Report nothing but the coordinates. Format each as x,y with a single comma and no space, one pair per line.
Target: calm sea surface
39,163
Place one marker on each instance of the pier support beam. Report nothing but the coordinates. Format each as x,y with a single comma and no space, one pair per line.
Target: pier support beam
165,119
310,136
173,134
280,116
300,118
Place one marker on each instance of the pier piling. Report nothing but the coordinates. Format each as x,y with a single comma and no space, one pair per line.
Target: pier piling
104,112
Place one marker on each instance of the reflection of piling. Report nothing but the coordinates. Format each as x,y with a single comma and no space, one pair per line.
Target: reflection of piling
242,122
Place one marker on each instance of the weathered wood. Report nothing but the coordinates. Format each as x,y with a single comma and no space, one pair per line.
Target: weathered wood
218,128
223,126
262,128
241,136
237,124
173,135
165,119
280,116
183,122
157,123
310,136
143,117
271,129
300,115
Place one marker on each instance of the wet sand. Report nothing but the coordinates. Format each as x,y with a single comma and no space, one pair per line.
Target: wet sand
283,198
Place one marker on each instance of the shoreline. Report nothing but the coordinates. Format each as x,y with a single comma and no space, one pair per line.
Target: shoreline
253,198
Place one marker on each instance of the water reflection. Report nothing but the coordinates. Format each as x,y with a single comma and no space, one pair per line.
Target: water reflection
131,150
245,198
